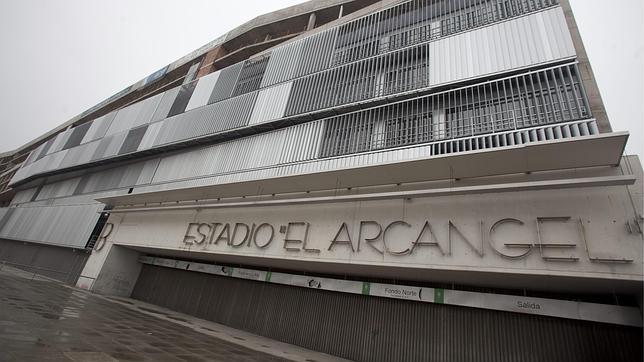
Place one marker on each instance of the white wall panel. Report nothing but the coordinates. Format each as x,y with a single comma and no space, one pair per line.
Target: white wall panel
150,135
271,103
203,90
521,42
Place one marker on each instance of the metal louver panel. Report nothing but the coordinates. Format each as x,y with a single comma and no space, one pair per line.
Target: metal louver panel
513,44
203,90
151,134
283,63
147,172
271,103
247,153
99,127
109,146
146,109
182,99
58,189
213,118
249,159
225,83
77,135
318,51
132,140
24,196
79,155
131,175
59,141
61,225
166,102
124,119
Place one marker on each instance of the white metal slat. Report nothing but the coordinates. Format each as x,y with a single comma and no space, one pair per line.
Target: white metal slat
203,90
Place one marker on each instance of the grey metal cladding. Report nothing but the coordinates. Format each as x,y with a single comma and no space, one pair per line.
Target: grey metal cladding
45,148
146,110
131,174
58,189
318,49
5,214
109,146
225,83
271,103
182,99
78,133
151,134
132,140
415,45
69,225
228,114
147,172
251,74
283,63
124,119
102,146
79,155
109,179
59,141
82,184
99,127
167,99
203,90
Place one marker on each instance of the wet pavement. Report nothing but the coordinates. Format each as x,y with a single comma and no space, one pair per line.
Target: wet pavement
46,321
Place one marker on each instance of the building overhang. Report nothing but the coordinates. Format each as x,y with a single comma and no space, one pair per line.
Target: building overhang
580,152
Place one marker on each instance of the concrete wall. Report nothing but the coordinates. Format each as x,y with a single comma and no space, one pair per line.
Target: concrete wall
586,238
112,270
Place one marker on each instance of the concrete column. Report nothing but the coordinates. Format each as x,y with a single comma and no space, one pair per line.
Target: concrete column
311,24
113,270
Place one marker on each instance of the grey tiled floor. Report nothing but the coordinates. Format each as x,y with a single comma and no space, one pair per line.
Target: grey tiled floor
45,321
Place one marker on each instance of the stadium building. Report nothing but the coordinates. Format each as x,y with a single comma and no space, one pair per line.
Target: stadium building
377,180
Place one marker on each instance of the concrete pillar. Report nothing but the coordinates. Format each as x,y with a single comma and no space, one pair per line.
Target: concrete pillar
311,24
113,270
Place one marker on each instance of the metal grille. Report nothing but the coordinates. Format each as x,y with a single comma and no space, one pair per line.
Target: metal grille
545,97
364,328
392,73
225,83
420,21
250,76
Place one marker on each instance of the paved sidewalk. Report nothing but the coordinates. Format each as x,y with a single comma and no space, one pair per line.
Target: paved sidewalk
41,320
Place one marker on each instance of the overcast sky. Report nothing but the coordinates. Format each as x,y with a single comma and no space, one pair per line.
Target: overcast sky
59,58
